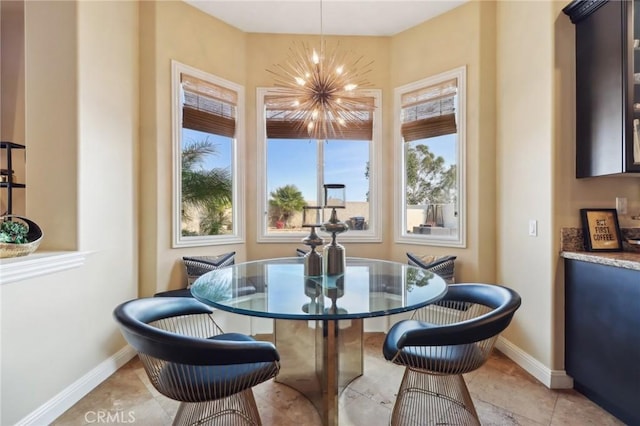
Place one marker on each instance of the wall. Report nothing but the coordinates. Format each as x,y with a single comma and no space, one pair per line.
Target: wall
463,36
12,99
51,121
174,30
525,140
81,127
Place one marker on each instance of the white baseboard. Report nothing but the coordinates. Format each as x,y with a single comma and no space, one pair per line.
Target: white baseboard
52,409
553,379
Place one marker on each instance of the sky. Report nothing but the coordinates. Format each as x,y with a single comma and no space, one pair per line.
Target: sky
294,161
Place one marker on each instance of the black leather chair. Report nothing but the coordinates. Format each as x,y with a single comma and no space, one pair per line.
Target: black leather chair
439,344
188,358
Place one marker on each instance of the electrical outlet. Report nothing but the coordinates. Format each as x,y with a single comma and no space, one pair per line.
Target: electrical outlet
621,205
533,228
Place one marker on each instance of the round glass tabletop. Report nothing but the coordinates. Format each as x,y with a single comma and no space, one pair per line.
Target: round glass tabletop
278,288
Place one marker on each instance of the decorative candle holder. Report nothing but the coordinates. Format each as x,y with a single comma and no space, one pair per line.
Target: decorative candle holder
313,290
333,288
334,258
334,196
313,259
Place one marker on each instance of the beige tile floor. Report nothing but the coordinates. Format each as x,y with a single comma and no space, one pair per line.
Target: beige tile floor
504,394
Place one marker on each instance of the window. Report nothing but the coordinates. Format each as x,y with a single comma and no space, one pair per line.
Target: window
207,125
430,143
293,170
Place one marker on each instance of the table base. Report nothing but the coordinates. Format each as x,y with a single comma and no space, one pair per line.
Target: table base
319,359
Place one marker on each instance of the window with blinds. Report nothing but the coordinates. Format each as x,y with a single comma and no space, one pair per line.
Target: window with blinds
430,143
207,122
293,169
429,111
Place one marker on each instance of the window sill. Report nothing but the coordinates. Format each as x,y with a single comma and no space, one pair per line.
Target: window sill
38,264
430,240
293,238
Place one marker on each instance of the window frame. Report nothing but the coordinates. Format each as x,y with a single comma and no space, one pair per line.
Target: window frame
400,233
373,233
238,215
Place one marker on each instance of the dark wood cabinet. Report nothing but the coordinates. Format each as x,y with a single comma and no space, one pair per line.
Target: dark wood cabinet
602,336
607,86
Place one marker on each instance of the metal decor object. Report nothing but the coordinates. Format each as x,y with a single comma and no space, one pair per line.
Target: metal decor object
333,253
312,259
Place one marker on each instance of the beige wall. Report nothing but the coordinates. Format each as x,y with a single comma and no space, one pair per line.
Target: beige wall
463,37
525,140
173,30
81,124
51,121
12,71
12,99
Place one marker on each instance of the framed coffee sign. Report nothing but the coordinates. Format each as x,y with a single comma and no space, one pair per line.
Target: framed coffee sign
601,229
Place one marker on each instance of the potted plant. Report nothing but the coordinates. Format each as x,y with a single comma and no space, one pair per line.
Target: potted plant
18,237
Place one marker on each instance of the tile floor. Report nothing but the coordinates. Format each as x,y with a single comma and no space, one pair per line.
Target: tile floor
503,393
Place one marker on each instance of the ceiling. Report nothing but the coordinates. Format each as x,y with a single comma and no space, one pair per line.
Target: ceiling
339,17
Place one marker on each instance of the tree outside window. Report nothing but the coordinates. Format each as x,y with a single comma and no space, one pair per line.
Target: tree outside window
206,192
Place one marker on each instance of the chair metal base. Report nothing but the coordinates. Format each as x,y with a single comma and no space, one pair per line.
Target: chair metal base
428,399
238,409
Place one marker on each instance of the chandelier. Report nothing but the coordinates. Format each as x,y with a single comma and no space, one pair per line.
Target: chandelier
317,89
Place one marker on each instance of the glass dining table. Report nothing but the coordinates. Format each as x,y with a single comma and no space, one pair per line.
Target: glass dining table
318,320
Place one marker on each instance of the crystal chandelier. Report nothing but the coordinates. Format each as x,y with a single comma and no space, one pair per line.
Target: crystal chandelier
317,90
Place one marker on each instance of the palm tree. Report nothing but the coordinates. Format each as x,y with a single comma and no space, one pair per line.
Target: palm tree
287,200
208,191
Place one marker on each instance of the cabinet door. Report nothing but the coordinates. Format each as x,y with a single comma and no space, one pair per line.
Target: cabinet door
602,335
600,79
632,149
607,86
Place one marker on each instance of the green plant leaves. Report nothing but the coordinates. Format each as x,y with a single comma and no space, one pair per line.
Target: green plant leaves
13,232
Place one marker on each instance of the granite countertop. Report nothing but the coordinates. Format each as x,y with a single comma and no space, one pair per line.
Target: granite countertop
572,247
622,259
